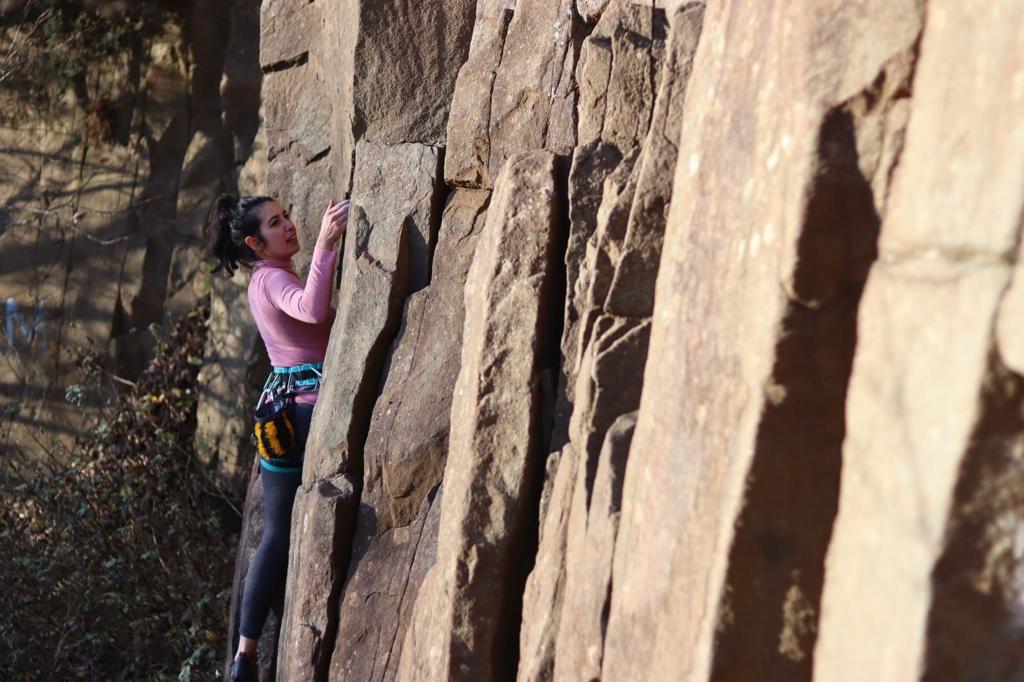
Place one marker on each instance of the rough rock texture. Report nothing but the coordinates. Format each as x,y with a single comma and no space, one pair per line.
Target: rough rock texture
296,106
543,594
389,70
730,175
390,211
336,75
385,247
516,90
322,518
787,145
618,76
591,10
404,457
593,528
604,350
467,614
924,567
631,290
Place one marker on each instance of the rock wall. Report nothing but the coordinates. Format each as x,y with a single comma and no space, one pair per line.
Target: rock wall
674,342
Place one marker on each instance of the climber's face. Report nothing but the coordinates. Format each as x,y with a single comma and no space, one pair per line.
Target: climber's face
280,239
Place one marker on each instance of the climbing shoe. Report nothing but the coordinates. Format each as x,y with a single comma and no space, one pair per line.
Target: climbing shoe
243,669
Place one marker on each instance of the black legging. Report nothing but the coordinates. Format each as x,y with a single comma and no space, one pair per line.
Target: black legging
269,567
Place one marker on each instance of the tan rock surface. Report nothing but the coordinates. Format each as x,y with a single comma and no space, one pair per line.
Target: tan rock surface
391,212
921,568
466,615
543,594
389,71
618,76
591,10
588,583
407,57
289,31
631,291
404,457
785,152
322,519
604,354
388,212
299,105
515,91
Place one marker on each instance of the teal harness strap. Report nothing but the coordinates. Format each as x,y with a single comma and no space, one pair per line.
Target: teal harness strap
294,380
317,367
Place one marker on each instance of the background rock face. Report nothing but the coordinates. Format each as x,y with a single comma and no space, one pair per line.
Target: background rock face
696,354
100,232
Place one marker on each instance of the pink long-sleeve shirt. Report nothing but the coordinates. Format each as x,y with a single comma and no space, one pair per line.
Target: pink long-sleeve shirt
294,319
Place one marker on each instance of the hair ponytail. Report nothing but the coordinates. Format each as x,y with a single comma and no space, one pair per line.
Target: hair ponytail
230,221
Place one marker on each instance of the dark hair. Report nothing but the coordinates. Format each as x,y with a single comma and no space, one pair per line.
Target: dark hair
230,221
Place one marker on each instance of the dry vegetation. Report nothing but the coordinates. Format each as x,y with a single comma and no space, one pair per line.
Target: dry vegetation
117,562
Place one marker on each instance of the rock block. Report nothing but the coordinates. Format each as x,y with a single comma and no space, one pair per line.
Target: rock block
604,354
405,453
618,75
321,534
391,212
543,595
388,212
515,91
588,580
923,569
467,613
727,507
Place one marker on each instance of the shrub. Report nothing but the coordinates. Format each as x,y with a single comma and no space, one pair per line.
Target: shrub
117,562
59,42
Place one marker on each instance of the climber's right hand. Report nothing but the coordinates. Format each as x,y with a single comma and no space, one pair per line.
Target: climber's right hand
333,225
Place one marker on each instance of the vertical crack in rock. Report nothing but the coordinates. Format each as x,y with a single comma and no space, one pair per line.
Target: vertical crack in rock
515,91
573,571
321,534
467,613
469,121
761,106
546,364
616,103
926,541
976,622
975,627
405,453
792,490
394,199
592,530
409,579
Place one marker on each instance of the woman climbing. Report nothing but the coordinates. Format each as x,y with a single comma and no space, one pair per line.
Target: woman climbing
294,320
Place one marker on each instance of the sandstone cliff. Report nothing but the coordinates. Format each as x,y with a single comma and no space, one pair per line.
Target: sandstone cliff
674,342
